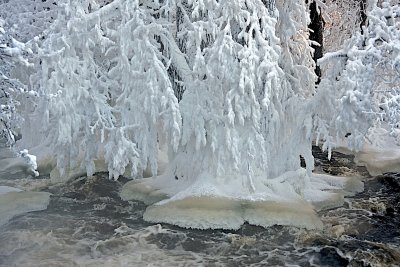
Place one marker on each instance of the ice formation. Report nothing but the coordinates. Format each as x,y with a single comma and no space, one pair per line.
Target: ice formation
379,160
217,204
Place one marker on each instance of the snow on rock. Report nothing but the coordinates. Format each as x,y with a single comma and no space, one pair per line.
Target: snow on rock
30,161
14,202
24,165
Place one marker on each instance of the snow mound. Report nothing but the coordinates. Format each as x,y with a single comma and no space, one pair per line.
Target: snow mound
227,204
14,202
30,161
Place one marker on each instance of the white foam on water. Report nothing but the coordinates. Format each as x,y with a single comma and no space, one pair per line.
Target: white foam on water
127,247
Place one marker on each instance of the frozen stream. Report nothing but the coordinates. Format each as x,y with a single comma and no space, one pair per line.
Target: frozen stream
87,224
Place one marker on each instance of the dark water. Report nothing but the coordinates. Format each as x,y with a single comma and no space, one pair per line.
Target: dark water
87,224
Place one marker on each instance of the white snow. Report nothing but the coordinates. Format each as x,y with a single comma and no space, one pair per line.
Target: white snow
30,161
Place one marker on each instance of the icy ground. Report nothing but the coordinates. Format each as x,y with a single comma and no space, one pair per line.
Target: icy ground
87,224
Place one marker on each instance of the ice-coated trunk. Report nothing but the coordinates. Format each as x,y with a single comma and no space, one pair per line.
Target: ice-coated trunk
270,5
363,14
317,35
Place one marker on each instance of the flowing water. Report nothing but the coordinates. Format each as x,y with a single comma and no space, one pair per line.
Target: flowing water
87,224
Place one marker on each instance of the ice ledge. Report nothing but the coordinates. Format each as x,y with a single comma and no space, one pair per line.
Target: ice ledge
208,204
227,213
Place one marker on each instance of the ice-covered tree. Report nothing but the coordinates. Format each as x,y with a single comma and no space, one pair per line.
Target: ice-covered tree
12,55
28,18
364,78
244,112
13,94
95,74
225,88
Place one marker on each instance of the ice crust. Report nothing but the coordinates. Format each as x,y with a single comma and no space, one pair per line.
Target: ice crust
226,204
14,202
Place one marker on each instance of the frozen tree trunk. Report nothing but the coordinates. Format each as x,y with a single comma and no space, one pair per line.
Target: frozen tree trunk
363,14
270,5
317,35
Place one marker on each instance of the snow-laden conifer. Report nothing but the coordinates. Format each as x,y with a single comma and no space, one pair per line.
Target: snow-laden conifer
107,94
